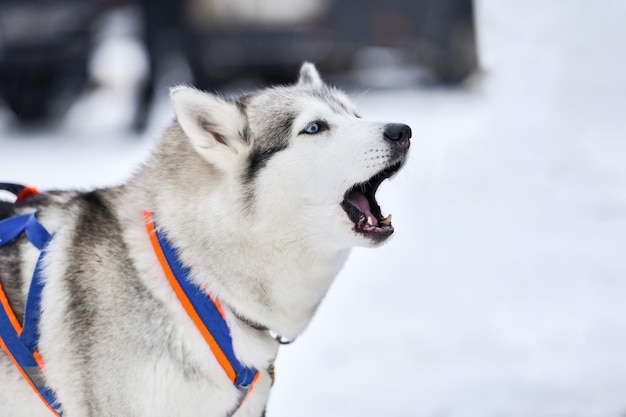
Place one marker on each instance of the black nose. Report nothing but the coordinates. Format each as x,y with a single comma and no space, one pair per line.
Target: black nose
398,133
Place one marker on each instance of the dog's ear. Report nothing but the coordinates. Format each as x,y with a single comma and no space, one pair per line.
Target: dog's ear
214,126
309,77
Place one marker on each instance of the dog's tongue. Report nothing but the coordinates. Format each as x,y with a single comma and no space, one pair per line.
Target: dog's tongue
358,200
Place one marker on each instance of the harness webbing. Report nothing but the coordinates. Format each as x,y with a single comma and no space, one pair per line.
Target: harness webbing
19,341
204,310
19,190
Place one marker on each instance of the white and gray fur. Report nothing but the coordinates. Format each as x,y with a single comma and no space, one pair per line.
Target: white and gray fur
251,203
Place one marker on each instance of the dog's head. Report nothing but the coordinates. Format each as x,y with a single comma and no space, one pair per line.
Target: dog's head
301,157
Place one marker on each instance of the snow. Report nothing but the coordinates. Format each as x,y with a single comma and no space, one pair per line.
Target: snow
501,294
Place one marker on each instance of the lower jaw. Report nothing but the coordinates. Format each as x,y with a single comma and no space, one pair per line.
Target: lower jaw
374,233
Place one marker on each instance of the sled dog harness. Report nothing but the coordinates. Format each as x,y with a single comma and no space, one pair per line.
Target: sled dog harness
204,310
20,341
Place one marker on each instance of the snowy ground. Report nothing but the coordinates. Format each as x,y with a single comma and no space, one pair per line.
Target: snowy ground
502,293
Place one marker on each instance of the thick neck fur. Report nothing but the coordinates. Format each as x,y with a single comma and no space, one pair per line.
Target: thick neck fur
275,276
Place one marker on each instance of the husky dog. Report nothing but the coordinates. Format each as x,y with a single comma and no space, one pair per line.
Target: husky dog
262,196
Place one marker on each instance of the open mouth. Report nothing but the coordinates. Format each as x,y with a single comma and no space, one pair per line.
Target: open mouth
363,210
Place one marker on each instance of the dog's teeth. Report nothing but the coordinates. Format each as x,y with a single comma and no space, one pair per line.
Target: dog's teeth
387,220
370,221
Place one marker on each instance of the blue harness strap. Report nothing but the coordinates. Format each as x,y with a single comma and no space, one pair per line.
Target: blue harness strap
207,309
19,341
204,310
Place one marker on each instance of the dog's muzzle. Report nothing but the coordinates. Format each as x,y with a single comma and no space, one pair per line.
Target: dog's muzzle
360,200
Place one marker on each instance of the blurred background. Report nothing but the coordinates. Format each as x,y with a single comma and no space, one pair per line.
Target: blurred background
501,293
54,50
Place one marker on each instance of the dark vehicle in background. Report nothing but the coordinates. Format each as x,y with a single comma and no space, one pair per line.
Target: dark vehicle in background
225,43
45,45
44,51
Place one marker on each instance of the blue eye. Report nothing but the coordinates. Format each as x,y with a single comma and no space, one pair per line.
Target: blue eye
313,128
